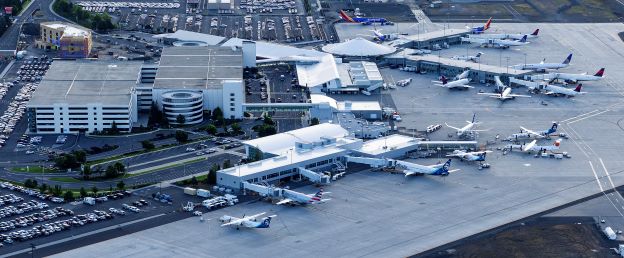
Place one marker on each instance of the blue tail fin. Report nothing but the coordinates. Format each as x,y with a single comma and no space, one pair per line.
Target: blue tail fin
444,170
474,117
553,128
523,39
568,59
265,223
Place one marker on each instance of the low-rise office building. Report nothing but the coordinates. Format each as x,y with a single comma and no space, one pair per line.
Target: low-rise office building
71,40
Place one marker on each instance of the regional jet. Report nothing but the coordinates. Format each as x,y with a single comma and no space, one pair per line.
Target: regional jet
247,222
474,58
569,77
469,128
532,147
469,156
507,36
293,197
528,134
505,93
497,43
542,66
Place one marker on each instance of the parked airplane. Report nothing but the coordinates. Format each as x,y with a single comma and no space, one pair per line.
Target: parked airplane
469,156
404,82
456,84
569,77
247,222
363,20
505,93
528,134
467,128
293,197
480,29
386,37
508,36
474,58
542,66
499,43
549,89
410,169
532,147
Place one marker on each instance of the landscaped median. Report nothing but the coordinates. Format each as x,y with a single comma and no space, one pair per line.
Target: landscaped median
163,167
34,169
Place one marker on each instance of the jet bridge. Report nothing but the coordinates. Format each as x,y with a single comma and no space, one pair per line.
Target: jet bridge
373,162
313,176
267,191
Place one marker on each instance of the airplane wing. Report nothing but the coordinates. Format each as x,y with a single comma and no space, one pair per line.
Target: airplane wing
255,216
530,131
496,95
285,201
529,146
451,126
454,170
455,86
461,155
233,221
518,95
410,173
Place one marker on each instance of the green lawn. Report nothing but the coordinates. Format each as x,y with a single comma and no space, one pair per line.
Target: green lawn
65,179
165,167
33,169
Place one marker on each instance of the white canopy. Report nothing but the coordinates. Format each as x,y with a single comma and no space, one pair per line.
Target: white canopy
358,47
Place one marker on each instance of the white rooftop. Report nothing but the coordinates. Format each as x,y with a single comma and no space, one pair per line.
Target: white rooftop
321,98
288,158
279,144
385,144
311,75
185,35
358,47
359,106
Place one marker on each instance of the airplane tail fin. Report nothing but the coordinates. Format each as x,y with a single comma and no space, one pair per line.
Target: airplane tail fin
479,54
345,17
487,24
568,59
557,143
265,223
578,88
444,170
553,128
600,72
523,39
443,79
535,32
474,116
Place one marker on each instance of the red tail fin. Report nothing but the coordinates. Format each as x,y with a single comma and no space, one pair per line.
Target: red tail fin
578,88
487,24
535,32
345,17
600,72
443,79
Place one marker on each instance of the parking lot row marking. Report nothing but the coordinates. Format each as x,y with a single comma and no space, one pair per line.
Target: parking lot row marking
81,235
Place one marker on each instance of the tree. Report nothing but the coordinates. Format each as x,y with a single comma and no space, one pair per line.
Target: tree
94,190
34,183
236,128
194,180
68,196
266,130
110,172
114,130
148,145
86,172
212,174
57,191
83,192
43,188
28,183
181,136
80,155
119,167
268,120
121,185
217,114
211,129
180,119
227,164
258,155
314,121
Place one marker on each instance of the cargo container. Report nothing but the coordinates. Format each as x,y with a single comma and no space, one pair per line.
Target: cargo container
203,193
190,191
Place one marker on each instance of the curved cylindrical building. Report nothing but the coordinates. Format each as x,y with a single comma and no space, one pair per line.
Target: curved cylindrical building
190,104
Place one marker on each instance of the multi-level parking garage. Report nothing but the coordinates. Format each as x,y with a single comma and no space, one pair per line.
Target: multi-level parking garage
188,104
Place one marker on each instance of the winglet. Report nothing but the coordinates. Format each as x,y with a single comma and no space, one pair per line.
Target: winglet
578,88
600,72
568,59
535,32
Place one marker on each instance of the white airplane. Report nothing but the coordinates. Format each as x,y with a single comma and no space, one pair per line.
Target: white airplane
474,58
410,169
528,134
467,128
532,147
404,82
542,66
569,77
246,222
456,84
499,43
293,197
505,93
469,156
507,36
379,36
549,89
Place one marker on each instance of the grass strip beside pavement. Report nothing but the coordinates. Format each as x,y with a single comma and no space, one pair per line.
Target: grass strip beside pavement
64,179
165,167
34,169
